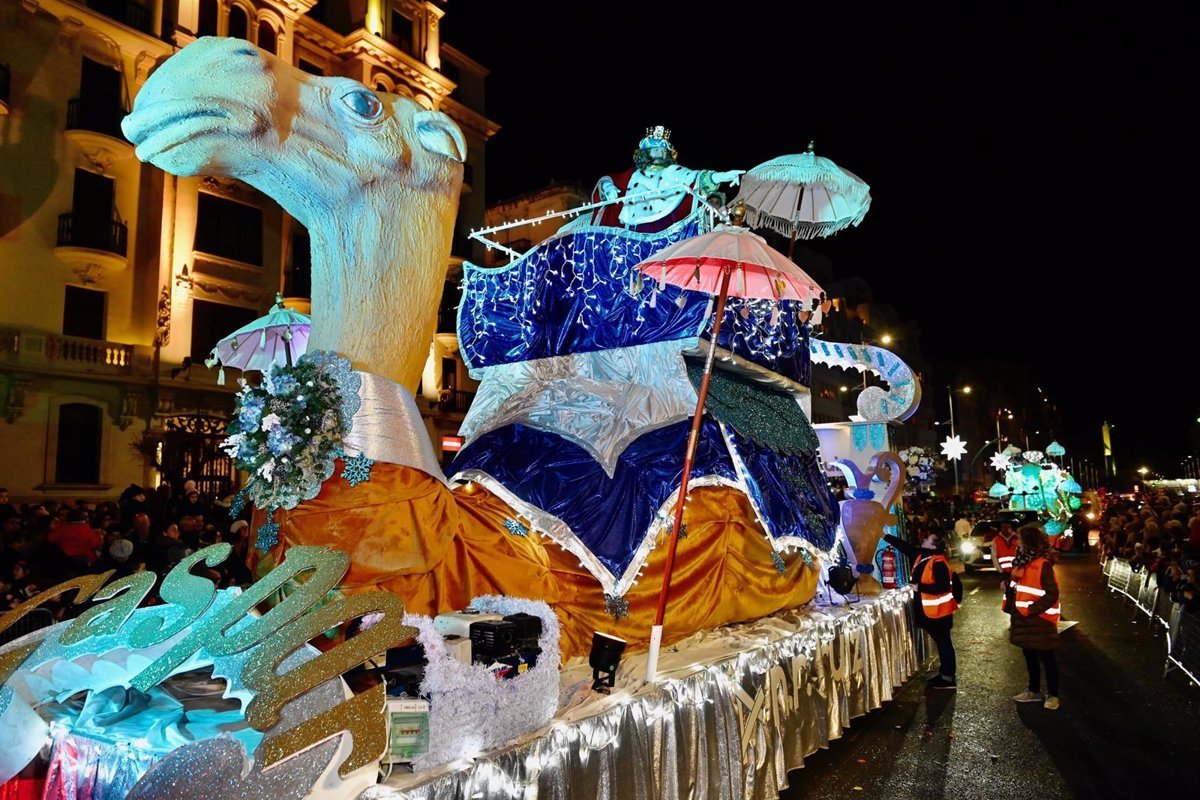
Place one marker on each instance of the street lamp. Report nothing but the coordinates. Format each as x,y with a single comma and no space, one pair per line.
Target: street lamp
1000,411
950,394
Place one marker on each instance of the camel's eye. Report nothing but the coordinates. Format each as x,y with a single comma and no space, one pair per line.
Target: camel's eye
363,103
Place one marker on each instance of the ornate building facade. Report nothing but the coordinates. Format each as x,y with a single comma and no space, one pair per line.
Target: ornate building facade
117,279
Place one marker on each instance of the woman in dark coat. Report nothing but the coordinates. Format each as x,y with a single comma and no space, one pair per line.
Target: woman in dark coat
1031,601
943,582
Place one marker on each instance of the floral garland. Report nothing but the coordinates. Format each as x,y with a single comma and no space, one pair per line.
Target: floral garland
920,467
288,431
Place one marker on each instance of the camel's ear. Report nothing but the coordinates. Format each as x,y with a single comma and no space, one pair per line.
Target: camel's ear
437,132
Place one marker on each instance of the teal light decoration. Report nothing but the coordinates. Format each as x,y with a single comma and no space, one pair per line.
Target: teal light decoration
878,436
999,490
1070,486
1056,450
1054,527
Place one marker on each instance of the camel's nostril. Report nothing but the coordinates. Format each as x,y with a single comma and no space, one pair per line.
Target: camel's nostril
245,50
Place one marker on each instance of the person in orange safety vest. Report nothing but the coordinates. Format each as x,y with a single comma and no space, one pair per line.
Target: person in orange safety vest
1033,604
940,593
1004,549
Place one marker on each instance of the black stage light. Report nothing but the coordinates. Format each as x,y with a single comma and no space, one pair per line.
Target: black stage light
605,657
841,579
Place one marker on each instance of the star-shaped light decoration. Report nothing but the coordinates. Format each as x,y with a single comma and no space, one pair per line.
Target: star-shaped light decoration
1000,462
954,448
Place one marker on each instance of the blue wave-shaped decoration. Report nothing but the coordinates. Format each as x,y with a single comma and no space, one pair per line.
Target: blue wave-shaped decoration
574,293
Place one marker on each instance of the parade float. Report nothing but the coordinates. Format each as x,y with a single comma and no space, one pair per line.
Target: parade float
639,468
1034,480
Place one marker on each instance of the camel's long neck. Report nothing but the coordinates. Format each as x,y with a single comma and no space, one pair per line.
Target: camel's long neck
378,270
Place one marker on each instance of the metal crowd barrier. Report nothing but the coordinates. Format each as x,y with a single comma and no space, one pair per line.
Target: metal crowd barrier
1183,644
1183,629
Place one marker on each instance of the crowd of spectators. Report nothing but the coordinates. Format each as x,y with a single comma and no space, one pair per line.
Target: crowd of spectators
45,543
1158,532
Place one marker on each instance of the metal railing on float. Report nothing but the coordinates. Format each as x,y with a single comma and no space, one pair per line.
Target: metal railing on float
1182,628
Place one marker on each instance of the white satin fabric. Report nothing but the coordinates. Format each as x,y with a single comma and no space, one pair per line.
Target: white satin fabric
388,427
602,401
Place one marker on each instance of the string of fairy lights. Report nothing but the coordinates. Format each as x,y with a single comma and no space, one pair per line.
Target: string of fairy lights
591,278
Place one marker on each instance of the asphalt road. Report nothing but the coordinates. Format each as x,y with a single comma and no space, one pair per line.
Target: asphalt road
1123,731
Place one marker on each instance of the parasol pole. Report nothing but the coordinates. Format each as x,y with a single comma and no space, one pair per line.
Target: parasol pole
693,437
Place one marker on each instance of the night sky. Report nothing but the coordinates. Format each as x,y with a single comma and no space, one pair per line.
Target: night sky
1027,169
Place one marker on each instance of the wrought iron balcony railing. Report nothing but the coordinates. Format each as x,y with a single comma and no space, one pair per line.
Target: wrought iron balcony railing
97,117
75,230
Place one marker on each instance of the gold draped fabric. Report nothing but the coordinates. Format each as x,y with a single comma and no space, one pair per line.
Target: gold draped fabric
407,533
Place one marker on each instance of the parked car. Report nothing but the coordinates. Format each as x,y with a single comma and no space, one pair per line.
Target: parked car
975,549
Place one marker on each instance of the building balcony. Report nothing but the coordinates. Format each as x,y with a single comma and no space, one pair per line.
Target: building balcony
5,88
77,231
82,242
52,352
127,12
96,129
454,402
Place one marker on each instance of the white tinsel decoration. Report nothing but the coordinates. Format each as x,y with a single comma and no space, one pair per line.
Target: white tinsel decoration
469,709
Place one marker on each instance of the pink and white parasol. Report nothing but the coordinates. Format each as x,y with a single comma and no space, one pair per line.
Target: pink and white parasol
278,338
708,264
758,270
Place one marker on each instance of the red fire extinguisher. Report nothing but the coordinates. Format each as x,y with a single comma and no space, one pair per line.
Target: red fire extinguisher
888,568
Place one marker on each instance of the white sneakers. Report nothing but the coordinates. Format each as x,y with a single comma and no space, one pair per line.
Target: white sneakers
1047,701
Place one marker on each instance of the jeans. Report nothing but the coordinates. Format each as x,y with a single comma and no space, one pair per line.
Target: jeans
1035,678
947,662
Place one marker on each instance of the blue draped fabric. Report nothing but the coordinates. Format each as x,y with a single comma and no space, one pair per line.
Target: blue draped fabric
576,293
790,491
609,515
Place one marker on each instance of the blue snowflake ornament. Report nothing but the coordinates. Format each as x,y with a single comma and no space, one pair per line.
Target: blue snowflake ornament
237,504
780,564
357,469
268,536
515,528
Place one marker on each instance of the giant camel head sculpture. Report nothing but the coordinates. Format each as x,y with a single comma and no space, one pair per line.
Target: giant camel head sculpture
374,177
